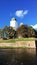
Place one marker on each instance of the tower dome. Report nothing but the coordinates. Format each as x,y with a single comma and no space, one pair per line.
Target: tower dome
13,23
13,18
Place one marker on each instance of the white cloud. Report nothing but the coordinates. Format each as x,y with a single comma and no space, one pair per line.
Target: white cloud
34,26
21,24
21,13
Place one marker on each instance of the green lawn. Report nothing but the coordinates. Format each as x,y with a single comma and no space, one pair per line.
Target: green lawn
17,39
8,41
10,47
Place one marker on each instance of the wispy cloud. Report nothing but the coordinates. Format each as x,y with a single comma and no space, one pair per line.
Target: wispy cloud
34,26
21,13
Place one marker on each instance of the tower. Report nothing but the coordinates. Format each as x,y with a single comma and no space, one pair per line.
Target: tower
13,23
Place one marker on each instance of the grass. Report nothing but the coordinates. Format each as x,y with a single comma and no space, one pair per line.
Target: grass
8,41
10,47
17,39
6,47
26,39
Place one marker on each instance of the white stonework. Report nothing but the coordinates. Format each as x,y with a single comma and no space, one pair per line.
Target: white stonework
13,23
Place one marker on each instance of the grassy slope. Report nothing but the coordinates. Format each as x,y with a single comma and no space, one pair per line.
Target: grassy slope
18,39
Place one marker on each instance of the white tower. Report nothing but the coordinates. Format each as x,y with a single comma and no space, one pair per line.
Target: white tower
13,23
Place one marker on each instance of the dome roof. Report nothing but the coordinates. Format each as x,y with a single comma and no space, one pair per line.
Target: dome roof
13,18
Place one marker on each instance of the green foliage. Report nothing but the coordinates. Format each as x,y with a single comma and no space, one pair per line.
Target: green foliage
26,31
8,31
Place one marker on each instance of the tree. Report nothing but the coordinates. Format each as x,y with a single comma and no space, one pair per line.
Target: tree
35,33
31,32
5,32
8,31
26,31
22,30
0,33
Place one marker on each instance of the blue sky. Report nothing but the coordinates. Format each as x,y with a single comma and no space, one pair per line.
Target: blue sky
25,11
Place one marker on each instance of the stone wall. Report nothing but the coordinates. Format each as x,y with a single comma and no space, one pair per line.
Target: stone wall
28,44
